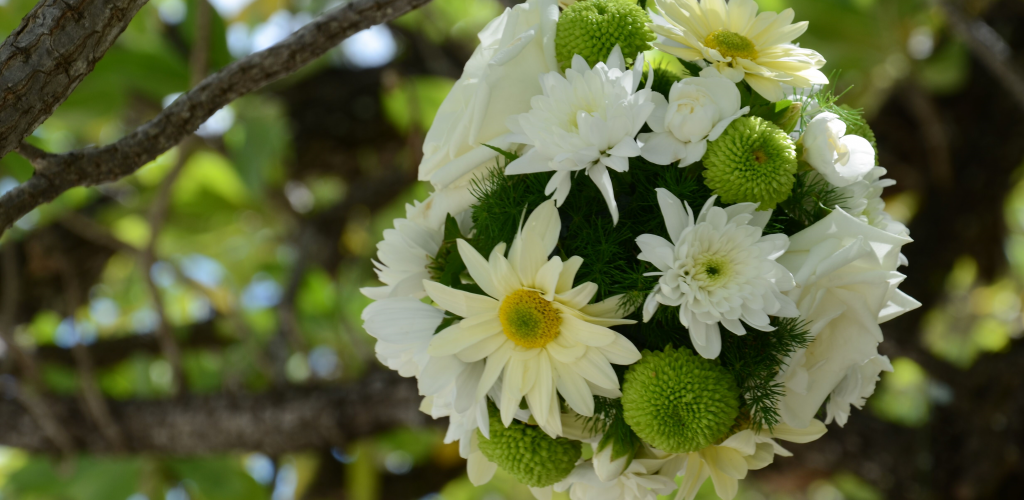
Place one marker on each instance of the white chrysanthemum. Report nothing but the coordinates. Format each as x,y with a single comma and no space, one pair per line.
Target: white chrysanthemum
740,43
728,462
497,82
855,388
586,120
841,159
697,111
718,269
533,328
403,327
403,256
845,271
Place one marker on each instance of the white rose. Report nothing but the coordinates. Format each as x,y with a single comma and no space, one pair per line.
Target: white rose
696,111
842,159
855,388
497,82
845,271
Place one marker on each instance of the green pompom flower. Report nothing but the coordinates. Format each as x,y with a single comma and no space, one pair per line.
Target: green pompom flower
527,453
678,401
591,28
753,160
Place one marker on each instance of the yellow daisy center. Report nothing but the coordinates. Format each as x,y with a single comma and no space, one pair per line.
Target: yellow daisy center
731,44
528,319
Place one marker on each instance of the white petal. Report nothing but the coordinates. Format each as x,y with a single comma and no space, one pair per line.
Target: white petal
458,302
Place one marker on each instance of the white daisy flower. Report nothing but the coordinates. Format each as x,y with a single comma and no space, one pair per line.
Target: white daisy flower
403,327
728,462
697,111
840,158
535,331
740,43
718,269
403,256
585,121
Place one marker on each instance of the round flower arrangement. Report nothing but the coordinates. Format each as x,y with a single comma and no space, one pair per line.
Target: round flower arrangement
655,248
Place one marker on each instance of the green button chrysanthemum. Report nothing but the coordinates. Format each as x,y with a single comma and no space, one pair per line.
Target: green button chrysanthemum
678,401
752,161
527,453
591,28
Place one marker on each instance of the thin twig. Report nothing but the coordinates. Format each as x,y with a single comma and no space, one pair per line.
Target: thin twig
26,392
234,316
199,56
92,395
11,293
38,408
987,46
90,230
147,258
37,157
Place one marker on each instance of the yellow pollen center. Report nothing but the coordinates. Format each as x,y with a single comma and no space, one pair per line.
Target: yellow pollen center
731,44
760,157
528,319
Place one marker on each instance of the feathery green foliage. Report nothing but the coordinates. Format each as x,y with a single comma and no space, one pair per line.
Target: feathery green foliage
609,260
754,360
813,198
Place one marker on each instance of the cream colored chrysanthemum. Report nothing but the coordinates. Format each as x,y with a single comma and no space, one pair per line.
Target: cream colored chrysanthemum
728,462
740,43
535,331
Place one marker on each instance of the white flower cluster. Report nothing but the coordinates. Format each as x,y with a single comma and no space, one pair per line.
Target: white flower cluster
525,338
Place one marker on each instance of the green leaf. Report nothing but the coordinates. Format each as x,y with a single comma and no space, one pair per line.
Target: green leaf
509,157
218,478
451,229
692,68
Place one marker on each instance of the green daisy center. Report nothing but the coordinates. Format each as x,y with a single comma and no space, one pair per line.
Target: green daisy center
752,161
528,319
731,44
679,402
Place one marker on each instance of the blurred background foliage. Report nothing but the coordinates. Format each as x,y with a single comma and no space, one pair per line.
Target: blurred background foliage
266,242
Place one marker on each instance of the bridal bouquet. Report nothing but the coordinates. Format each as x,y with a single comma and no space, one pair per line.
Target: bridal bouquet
655,250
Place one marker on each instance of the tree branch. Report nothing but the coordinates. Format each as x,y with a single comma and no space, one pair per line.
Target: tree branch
987,46
48,55
93,166
272,423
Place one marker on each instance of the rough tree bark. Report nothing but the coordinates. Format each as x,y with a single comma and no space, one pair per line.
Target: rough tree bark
58,173
49,54
271,423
